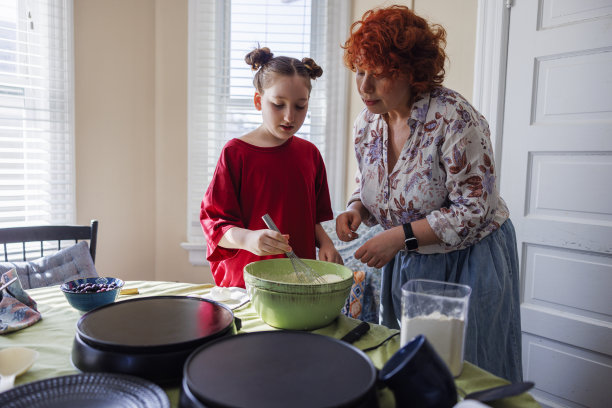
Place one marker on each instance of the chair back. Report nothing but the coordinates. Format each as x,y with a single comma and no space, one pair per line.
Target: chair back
47,233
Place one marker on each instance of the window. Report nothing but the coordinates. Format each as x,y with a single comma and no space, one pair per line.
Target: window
221,90
36,113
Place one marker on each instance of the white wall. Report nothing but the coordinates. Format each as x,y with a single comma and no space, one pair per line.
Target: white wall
131,135
115,131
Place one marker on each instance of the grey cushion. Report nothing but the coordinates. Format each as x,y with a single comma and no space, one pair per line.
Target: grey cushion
66,264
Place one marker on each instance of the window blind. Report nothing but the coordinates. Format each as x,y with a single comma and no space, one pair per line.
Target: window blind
221,90
36,113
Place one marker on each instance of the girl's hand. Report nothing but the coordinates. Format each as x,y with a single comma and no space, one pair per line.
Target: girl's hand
327,252
347,223
266,242
380,249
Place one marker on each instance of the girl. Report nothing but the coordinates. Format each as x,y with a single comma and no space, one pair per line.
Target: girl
269,171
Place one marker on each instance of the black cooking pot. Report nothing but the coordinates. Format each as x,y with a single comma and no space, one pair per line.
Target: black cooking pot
149,337
301,369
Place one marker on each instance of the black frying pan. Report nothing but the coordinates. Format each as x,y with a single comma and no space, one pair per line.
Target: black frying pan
278,369
149,337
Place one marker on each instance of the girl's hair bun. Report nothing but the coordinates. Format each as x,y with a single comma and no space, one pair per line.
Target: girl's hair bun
258,57
314,70
269,68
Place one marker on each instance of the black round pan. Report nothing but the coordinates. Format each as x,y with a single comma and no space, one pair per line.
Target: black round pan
149,337
156,323
278,369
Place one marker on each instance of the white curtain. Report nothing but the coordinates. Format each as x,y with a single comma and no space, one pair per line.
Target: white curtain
221,89
36,113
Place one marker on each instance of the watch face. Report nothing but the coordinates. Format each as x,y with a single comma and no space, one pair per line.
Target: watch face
411,243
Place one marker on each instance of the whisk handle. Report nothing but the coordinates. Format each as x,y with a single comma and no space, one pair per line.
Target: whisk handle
273,226
270,223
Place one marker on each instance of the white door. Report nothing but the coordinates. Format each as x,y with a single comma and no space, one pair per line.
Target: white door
556,176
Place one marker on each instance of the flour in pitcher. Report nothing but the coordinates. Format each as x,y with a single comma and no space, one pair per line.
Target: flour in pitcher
444,333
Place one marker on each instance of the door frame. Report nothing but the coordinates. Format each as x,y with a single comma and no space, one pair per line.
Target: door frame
493,26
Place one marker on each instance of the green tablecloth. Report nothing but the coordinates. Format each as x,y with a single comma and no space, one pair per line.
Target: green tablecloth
52,337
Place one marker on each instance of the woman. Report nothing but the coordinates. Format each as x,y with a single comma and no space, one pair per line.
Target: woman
426,175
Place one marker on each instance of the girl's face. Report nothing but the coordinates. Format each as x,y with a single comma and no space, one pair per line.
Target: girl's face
383,95
283,105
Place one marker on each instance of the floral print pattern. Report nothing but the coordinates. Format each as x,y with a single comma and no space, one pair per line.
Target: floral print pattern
17,309
363,302
445,172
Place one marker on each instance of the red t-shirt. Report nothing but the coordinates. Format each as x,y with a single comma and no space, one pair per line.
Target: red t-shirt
288,182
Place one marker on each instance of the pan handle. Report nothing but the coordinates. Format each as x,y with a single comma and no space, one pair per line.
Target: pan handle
237,323
356,333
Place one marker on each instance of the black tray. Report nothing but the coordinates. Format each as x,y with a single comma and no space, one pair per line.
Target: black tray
94,390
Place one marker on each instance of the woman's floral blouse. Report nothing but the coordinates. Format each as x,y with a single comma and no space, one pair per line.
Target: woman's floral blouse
445,172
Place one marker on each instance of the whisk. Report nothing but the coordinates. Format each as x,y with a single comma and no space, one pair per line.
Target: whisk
304,273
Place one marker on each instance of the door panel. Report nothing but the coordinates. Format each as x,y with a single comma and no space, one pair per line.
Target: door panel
565,328
562,185
583,280
563,12
566,92
557,180
587,373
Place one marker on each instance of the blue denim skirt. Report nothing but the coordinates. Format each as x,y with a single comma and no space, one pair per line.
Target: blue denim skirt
490,267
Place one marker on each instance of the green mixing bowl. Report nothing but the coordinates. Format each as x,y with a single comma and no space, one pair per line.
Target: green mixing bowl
283,303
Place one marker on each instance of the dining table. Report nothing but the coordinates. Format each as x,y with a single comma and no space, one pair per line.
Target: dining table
53,337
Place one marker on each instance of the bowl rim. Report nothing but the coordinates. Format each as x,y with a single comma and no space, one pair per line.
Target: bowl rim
340,283
64,288
287,290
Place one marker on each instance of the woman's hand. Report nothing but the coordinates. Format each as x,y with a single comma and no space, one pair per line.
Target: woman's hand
348,222
329,253
380,249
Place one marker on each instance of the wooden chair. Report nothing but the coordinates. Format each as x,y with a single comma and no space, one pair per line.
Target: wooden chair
47,233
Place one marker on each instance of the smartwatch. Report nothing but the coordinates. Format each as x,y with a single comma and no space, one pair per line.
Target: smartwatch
410,240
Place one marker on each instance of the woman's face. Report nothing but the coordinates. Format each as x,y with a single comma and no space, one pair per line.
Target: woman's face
381,94
283,105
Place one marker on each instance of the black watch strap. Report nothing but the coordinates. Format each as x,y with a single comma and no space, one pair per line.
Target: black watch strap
410,240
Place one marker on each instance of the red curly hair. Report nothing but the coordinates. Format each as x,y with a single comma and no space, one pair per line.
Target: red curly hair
394,42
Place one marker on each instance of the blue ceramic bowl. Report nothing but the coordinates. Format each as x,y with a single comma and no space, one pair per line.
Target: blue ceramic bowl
87,301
